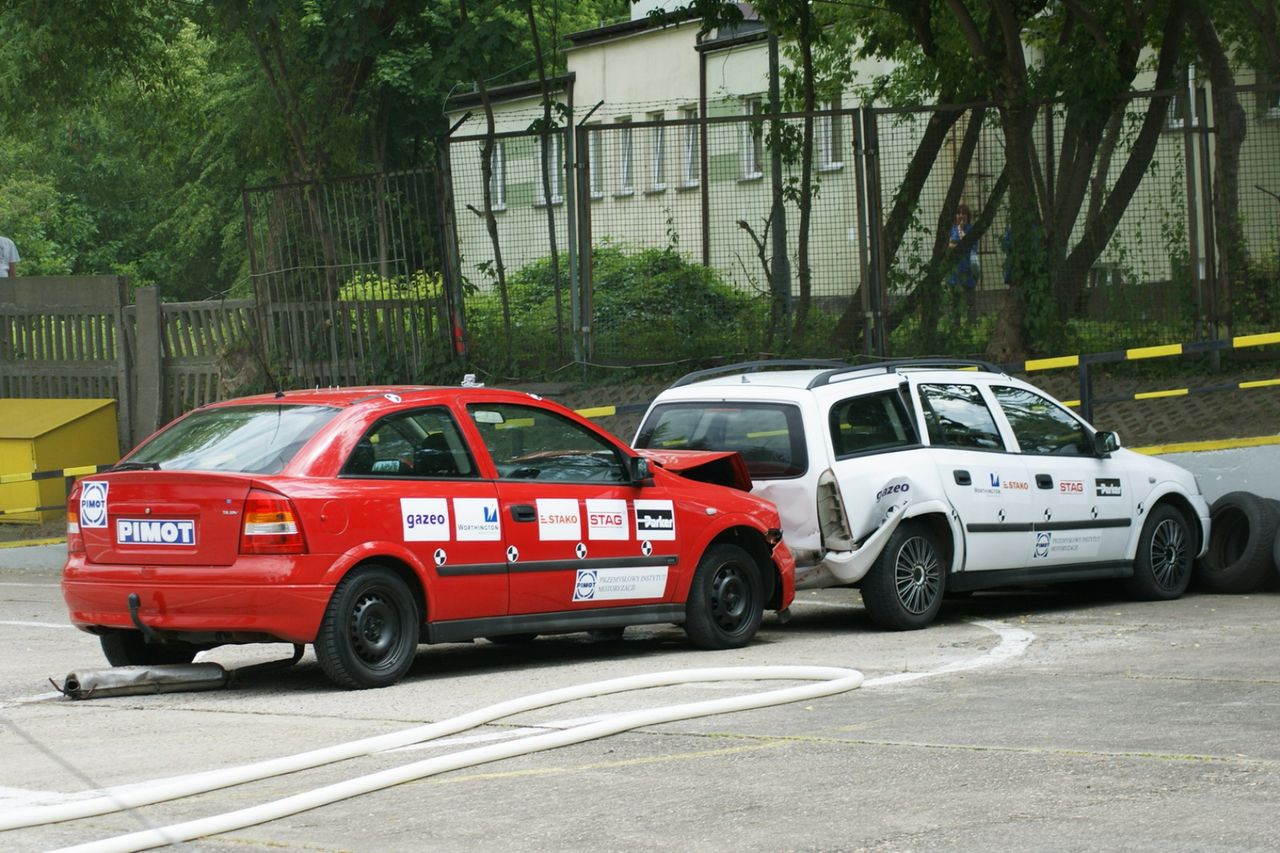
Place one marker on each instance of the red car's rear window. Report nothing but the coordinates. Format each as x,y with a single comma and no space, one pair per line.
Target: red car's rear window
257,439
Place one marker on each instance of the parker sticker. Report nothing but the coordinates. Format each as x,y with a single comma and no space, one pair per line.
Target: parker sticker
1107,487
148,531
606,519
655,520
425,519
476,520
93,503
559,520
620,584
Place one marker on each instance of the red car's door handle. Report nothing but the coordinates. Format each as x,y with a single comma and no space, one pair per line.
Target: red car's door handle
523,512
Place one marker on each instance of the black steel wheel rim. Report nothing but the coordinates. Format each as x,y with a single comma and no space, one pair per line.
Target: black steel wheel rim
1169,554
375,627
917,575
730,598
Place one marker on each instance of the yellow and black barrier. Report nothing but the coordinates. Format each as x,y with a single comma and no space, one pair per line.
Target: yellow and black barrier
67,474
1084,362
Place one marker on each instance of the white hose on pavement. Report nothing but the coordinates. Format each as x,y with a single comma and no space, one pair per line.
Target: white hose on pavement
830,681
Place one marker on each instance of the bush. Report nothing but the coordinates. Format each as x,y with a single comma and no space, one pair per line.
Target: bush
647,305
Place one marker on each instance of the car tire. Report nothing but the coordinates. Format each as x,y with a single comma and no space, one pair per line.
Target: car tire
904,589
369,634
726,600
1242,532
130,648
1275,540
1162,566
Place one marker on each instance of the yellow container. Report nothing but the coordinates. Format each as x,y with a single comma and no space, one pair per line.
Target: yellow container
45,435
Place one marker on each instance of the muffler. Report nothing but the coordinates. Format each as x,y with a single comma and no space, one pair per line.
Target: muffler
135,680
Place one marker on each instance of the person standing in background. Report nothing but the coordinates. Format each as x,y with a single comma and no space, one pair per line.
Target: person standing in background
8,258
964,277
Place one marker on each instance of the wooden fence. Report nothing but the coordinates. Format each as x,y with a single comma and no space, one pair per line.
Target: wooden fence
80,337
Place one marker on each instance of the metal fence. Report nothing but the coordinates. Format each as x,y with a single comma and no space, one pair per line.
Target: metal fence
660,240
348,276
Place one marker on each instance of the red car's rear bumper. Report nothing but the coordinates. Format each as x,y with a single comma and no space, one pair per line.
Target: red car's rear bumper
196,599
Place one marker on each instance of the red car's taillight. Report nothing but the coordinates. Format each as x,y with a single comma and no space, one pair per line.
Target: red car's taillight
270,526
75,542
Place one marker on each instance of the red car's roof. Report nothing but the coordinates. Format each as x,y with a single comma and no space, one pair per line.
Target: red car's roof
351,396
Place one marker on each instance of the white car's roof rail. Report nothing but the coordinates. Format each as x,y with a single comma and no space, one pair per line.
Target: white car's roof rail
895,364
757,366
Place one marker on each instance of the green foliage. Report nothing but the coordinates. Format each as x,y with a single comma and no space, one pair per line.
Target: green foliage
648,305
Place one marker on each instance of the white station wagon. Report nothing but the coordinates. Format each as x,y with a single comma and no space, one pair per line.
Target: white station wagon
916,478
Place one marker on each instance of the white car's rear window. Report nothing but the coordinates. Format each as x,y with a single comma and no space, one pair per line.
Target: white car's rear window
769,436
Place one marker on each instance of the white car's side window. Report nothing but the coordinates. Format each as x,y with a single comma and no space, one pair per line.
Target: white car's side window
957,416
1040,426
871,423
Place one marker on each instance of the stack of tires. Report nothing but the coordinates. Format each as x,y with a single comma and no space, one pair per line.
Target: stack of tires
1243,551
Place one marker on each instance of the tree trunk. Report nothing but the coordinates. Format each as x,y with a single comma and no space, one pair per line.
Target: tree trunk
805,273
491,221
546,137
1071,275
1231,127
849,328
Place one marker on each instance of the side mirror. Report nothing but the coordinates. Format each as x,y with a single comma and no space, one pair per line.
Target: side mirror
639,470
1104,443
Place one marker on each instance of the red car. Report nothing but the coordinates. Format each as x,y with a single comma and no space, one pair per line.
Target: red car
368,520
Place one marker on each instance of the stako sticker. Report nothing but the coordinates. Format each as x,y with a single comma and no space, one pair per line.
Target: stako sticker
559,520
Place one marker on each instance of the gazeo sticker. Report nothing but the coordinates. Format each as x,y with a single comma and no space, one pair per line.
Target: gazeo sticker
93,503
476,520
607,519
425,519
620,584
559,520
655,520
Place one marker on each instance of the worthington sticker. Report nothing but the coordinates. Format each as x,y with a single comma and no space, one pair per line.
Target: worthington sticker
476,520
147,531
619,584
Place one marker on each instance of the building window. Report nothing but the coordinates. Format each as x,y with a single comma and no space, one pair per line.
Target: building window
657,155
752,140
595,163
498,175
550,154
626,175
1187,95
689,176
826,133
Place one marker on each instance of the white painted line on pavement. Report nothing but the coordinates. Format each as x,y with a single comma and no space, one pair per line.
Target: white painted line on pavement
34,624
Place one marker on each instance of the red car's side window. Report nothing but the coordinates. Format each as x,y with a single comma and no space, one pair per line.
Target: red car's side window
420,443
